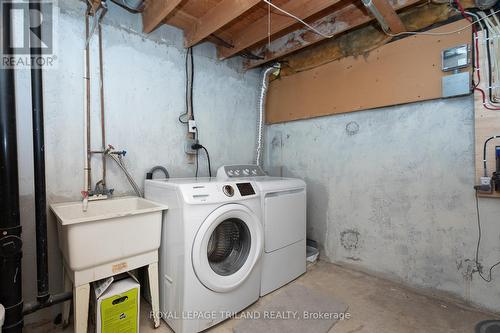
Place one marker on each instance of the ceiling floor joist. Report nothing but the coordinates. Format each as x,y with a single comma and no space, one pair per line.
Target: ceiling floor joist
220,15
389,15
258,31
347,18
155,11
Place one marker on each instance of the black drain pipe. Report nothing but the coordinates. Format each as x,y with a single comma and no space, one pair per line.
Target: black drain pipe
44,299
42,270
10,224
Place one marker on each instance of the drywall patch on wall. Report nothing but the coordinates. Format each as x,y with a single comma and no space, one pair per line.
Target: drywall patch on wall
144,86
404,182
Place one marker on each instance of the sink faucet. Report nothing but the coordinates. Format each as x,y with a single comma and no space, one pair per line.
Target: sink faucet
85,202
100,190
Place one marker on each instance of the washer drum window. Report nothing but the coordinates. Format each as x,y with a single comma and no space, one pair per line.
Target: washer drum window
227,247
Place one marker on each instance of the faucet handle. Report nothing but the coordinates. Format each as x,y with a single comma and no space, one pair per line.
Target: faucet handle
85,194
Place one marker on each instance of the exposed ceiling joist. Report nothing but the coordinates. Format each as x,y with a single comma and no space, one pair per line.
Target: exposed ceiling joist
258,31
389,14
216,18
155,11
344,19
181,20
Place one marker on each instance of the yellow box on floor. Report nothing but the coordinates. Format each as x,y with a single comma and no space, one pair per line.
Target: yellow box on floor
117,308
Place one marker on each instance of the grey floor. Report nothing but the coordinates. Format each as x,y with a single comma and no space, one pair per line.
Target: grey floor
375,305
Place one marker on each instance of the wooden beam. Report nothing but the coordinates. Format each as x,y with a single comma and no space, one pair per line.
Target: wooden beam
181,20
156,11
389,14
220,15
344,19
258,31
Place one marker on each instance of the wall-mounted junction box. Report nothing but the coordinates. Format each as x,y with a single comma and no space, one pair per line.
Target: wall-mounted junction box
456,84
191,126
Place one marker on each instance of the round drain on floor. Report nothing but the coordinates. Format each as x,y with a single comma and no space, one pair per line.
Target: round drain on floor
488,326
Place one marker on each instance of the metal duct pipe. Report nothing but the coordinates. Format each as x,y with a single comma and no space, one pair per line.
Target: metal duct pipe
10,224
381,20
132,5
42,265
262,106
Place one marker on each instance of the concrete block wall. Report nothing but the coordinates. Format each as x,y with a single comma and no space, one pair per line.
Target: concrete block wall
390,191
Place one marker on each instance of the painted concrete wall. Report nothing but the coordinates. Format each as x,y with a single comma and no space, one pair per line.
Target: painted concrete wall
391,191
144,86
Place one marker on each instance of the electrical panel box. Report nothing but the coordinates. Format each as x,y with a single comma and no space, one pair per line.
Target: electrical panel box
455,58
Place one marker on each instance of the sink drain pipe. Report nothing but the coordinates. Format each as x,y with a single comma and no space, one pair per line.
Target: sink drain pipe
44,299
10,223
42,270
274,70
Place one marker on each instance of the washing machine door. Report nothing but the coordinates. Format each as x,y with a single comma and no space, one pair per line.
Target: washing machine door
227,247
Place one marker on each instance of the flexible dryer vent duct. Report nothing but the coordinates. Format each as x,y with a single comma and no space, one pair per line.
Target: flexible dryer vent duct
275,69
132,5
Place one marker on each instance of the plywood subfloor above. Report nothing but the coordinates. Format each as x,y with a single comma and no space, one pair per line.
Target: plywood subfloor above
404,71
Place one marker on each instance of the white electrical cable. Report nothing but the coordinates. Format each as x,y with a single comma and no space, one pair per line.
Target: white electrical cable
313,29
496,20
493,34
298,19
439,33
494,28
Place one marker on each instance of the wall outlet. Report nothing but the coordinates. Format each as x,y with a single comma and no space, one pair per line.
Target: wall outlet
187,149
191,126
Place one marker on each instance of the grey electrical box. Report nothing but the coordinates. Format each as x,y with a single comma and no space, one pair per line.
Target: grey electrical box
455,58
456,84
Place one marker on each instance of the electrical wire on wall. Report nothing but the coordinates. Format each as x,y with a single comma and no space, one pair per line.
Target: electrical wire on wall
197,146
479,267
188,114
491,41
189,73
476,58
476,72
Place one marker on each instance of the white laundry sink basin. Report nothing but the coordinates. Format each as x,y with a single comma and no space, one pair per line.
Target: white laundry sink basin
108,231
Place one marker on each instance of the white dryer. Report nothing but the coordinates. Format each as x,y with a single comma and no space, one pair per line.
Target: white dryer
283,202
210,254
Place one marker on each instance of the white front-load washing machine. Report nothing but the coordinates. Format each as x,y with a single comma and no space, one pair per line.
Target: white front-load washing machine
210,253
283,202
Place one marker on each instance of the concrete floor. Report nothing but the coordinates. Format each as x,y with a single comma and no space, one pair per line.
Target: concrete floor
375,305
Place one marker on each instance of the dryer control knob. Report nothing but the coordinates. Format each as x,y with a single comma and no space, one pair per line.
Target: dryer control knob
228,190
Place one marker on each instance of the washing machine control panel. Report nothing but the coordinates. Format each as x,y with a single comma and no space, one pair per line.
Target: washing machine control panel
238,171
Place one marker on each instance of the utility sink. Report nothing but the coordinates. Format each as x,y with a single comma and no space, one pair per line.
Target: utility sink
108,232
